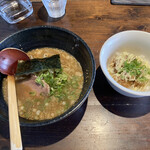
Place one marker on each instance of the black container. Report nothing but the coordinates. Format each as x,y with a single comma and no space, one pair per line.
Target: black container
48,36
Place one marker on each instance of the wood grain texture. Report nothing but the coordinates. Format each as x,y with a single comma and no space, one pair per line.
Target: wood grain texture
14,126
105,124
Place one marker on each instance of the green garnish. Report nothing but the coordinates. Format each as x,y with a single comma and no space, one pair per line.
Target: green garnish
32,93
56,79
136,69
38,80
60,84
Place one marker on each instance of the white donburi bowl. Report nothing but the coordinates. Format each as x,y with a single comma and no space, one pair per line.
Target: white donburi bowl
137,42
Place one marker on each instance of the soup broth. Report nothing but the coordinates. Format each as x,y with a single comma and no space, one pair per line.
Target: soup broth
48,95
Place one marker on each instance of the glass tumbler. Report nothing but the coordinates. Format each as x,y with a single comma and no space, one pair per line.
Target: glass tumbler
55,8
14,11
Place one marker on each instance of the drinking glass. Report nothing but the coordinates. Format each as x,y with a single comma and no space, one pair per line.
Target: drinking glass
14,11
55,8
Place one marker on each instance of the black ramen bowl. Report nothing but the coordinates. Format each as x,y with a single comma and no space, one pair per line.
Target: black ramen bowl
54,37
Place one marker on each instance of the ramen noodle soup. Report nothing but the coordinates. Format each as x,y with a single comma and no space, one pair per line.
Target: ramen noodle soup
48,94
130,71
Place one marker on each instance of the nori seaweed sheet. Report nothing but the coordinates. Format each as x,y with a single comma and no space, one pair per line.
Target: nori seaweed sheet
37,65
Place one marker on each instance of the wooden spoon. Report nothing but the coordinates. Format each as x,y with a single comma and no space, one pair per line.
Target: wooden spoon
9,59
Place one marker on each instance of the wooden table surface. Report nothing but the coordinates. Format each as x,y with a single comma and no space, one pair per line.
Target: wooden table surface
110,121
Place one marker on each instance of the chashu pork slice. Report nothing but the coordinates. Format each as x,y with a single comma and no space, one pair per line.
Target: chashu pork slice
28,86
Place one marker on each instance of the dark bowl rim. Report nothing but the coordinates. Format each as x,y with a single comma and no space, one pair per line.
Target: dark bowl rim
81,101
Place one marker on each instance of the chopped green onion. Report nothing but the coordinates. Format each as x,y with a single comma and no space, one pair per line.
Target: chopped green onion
32,93
136,69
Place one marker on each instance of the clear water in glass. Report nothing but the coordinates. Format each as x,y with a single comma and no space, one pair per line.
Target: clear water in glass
55,8
14,11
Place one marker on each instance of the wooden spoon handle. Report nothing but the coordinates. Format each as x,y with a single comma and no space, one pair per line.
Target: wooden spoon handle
14,127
